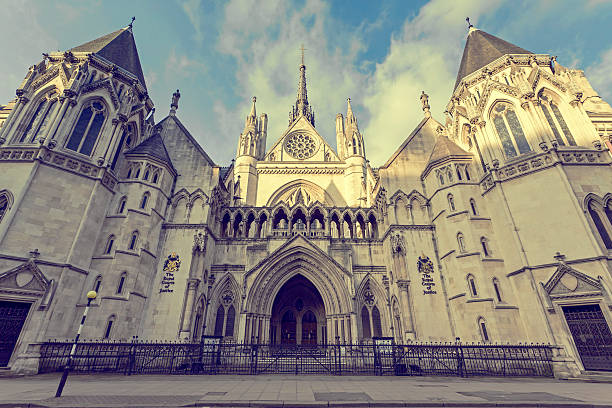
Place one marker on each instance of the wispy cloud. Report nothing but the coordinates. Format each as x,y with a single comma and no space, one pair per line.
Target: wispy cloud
193,10
600,75
183,65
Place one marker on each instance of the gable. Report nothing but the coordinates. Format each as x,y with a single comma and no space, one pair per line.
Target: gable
25,279
568,282
301,143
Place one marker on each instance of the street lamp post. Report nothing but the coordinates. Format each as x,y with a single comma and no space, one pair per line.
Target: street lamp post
91,295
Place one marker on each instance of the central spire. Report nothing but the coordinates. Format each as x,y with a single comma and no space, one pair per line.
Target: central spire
301,107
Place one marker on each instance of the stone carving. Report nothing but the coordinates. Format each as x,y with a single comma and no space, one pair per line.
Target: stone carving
426,268
171,266
397,244
199,242
300,145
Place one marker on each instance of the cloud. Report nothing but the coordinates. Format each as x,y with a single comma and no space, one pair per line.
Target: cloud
182,65
600,75
423,57
267,64
192,10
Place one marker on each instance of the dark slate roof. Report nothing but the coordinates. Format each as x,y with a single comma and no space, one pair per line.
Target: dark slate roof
119,48
154,147
223,172
481,49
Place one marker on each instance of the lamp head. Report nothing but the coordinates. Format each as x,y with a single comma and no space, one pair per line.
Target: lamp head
92,294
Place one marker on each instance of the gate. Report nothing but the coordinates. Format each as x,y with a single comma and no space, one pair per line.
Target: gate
591,335
12,318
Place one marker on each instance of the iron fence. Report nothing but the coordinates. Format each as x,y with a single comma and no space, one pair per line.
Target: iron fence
450,359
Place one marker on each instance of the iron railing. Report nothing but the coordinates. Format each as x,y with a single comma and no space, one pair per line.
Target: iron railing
450,359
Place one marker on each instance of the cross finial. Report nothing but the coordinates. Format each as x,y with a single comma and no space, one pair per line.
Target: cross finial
302,49
132,22
559,256
470,25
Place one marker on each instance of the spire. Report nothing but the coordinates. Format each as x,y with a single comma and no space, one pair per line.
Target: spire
481,49
253,113
117,47
351,119
301,107
174,104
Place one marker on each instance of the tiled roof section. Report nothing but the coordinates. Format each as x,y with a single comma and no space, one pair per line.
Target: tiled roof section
154,147
482,48
445,147
119,48
223,171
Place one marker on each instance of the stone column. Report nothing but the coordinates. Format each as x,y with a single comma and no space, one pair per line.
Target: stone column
13,117
404,287
192,286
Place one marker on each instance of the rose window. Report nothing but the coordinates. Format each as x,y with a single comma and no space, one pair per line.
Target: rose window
300,146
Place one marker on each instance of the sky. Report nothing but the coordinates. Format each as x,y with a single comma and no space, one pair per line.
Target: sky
381,54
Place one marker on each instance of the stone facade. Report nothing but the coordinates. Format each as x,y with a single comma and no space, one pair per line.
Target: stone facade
491,227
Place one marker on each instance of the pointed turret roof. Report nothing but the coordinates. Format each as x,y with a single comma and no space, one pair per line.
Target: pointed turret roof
482,48
119,48
154,147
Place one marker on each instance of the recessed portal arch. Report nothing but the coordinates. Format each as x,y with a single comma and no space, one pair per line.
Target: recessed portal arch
298,314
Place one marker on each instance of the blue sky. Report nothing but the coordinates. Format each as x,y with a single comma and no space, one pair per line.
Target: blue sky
379,53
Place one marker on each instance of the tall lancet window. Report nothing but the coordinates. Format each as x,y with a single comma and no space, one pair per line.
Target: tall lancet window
509,130
557,124
38,121
87,128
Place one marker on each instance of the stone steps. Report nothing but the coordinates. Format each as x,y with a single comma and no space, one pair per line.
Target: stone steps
594,377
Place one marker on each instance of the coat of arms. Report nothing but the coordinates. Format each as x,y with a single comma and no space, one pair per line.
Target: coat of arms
426,267
171,265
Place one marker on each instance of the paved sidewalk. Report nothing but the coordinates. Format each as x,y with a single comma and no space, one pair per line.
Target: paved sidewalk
85,391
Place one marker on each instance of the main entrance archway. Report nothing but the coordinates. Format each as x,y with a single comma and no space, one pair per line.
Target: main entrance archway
298,314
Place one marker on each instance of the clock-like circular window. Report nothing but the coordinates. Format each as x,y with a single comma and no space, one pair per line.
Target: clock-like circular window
300,145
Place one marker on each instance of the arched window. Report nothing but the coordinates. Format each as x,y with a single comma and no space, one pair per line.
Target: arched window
461,242
459,177
557,125
219,321
109,327
144,201
39,121
122,204
376,322
472,285
109,244
28,134
365,323
129,173
441,178
497,289
509,130
229,324
133,241
4,205
473,206
146,175
137,174
155,177
467,173
87,128
451,202
124,142
97,284
482,327
596,215
484,242
121,283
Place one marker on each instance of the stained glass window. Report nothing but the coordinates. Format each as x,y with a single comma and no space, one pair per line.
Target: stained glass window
46,119
502,131
376,322
219,321
517,132
87,129
564,128
229,324
553,127
365,323
27,136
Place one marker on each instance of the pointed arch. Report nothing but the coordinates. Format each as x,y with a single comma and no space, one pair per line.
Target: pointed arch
88,127
6,202
509,129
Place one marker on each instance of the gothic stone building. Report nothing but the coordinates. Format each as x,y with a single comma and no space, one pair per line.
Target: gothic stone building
495,225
